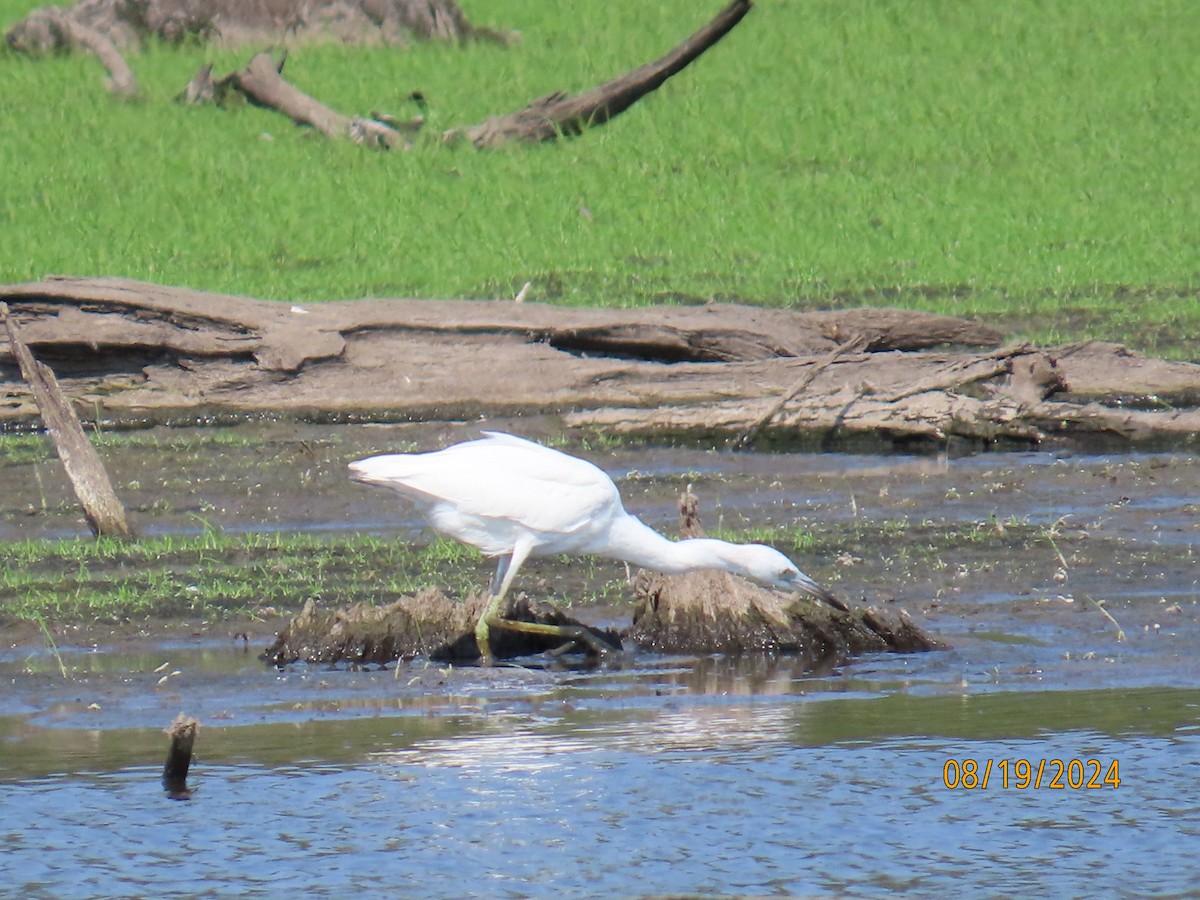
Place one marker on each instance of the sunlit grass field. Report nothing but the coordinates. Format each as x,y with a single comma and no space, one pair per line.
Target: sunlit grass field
1035,163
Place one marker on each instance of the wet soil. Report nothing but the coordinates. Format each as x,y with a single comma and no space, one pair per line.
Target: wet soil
1028,537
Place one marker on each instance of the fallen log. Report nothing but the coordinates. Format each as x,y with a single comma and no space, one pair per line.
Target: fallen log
558,114
428,625
101,507
262,83
546,119
144,353
936,407
715,612
55,26
129,23
746,437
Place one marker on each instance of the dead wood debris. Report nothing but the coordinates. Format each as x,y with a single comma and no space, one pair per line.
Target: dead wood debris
182,732
54,26
429,625
130,23
101,507
103,27
138,352
557,114
747,436
261,82
546,119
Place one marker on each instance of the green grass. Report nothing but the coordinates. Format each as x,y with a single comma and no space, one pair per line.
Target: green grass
1033,162
216,575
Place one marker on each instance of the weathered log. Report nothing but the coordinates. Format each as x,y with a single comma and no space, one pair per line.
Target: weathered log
101,507
128,23
55,25
429,625
715,612
936,406
746,437
543,120
559,114
144,352
261,81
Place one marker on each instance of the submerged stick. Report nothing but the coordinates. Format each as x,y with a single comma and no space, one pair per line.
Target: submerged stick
104,512
182,732
1099,604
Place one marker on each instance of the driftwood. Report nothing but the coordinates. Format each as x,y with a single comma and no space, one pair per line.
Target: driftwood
139,352
182,732
715,612
545,119
89,479
429,625
747,437
103,27
57,27
562,114
261,81
129,23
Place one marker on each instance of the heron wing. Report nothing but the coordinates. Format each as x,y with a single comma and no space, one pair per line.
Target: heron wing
505,479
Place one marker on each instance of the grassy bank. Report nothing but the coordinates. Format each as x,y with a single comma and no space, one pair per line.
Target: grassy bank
215,576
1033,163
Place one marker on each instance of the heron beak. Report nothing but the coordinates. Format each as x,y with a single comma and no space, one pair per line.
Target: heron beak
805,585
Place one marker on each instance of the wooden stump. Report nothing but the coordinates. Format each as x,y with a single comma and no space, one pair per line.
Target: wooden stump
716,612
429,624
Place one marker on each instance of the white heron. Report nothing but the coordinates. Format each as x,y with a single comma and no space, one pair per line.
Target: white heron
513,499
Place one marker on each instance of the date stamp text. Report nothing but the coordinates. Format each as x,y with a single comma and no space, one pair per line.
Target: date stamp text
1031,774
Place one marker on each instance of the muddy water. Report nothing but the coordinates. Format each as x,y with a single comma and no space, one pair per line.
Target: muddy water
667,775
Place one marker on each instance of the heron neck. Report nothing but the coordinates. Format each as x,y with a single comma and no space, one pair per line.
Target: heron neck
640,545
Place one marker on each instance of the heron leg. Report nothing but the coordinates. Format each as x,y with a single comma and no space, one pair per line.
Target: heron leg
506,571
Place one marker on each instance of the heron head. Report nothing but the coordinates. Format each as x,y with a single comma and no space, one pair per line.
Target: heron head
770,568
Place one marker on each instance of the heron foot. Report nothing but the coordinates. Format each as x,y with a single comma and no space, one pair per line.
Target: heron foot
577,635
483,639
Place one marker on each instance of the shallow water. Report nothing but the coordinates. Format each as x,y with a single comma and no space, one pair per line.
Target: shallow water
667,775
679,776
